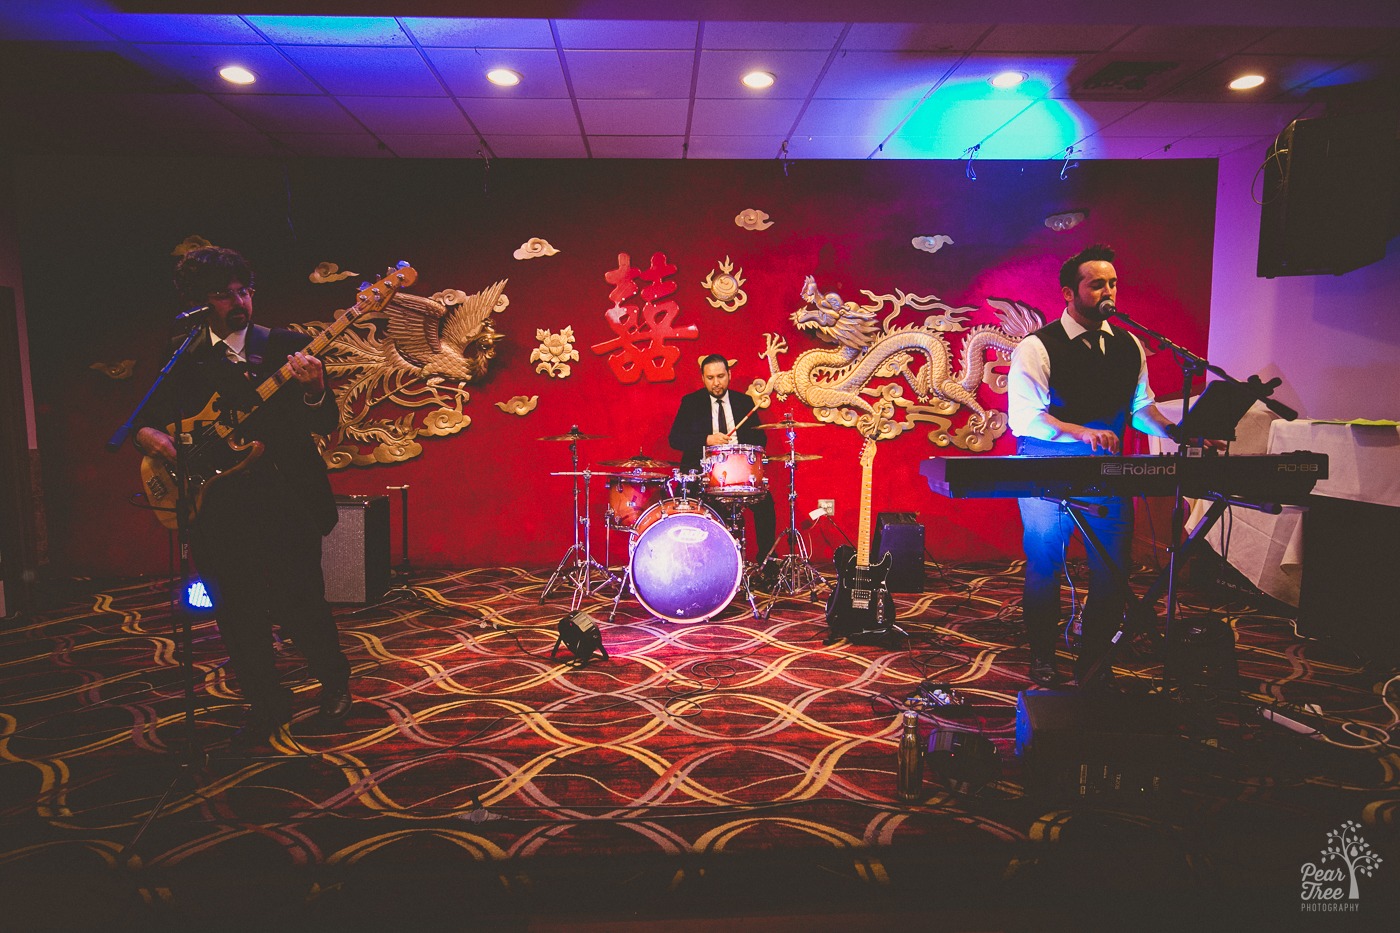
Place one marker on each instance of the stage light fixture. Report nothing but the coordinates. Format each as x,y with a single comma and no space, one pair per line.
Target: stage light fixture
503,77
1246,82
579,632
237,74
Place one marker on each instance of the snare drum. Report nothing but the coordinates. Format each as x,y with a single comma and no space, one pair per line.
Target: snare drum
629,498
734,470
686,566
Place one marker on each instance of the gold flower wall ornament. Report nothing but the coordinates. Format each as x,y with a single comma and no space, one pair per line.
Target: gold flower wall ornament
194,241
519,405
555,352
751,219
327,272
534,248
122,370
419,355
840,385
726,288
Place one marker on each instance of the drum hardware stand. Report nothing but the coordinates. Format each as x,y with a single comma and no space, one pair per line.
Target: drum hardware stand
578,559
404,570
795,569
735,523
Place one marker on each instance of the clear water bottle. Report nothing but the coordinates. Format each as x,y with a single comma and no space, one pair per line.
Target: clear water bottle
911,760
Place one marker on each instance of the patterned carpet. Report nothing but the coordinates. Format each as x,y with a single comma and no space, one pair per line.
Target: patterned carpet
736,768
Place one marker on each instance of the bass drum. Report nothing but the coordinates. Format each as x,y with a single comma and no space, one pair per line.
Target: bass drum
686,566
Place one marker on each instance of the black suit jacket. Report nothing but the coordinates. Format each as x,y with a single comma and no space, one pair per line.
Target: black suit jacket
693,424
284,423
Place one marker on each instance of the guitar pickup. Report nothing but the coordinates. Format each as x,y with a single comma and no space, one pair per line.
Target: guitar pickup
185,438
860,599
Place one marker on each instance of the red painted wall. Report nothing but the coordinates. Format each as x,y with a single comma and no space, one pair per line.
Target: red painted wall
96,238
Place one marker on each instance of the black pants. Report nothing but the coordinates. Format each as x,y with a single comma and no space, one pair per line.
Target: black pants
259,552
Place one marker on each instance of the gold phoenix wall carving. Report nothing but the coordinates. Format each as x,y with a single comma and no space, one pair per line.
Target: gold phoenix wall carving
419,354
839,385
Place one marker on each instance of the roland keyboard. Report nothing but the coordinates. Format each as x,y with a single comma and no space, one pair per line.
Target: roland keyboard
1265,477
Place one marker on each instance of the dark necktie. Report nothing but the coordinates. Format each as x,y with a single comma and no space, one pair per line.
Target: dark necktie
720,418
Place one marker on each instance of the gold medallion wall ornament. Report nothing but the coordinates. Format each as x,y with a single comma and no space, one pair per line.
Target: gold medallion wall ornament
840,385
419,355
555,352
519,405
726,288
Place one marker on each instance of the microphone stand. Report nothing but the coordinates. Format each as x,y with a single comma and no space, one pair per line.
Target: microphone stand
192,752
1192,365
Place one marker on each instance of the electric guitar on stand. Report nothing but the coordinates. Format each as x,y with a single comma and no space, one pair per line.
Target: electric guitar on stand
213,444
861,605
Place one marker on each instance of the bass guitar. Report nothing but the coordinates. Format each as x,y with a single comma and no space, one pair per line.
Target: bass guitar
213,447
860,605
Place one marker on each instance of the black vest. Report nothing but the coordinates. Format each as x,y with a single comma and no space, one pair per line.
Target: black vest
1088,387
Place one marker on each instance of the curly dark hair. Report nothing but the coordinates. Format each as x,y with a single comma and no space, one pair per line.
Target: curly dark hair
1069,272
210,269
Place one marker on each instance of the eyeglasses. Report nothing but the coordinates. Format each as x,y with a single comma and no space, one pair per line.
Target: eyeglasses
230,294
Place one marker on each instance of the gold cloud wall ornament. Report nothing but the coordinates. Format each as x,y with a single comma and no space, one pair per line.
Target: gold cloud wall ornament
555,352
836,384
327,272
931,244
419,354
519,405
726,288
534,248
752,220
122,370
193,241
1066,221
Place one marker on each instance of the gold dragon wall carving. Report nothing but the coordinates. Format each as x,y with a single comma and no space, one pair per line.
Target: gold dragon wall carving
840,387
419,354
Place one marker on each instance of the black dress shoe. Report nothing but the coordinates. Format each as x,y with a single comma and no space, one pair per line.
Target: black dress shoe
261,726
1044,673
335,703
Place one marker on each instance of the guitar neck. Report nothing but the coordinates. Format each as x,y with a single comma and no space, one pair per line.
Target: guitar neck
867,462
316,347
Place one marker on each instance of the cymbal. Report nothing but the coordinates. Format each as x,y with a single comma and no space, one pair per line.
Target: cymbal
635,474
798,458
642,461
784,425
574,435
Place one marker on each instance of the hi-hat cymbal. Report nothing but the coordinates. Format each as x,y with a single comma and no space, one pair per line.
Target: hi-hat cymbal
799,458
641,461
574,435
784,425
600,473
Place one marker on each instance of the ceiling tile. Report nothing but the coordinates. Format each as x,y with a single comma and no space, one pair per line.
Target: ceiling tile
1263,119
464,70
795,72
1121,147
899,76
480,33
626,117
817,36
1210,41
1324,41
429,146
969,120
164,27
1166,119
1042,72
334,145
627,74
914,37
877,118
832,147
34,23
636,147
545,117
1040,38
734,147
538,147
743,117
928,147
367,71
200,64
291,113
1047,127
626,34
359,31
1283,74
1211,147
408,115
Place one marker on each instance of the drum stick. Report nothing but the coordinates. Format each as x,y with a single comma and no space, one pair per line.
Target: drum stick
741,422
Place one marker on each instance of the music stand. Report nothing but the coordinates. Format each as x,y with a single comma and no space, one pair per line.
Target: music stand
1217,412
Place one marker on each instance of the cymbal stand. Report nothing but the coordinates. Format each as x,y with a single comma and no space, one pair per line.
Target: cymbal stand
795,569
578,564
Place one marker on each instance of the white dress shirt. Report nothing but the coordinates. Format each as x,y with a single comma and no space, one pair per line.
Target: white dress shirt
714,414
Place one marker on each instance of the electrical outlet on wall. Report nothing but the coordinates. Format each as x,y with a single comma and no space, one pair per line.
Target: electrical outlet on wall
828,506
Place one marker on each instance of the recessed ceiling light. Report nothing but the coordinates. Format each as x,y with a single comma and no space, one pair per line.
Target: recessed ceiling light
237,74
1008,79
758,80
503,76
1245,82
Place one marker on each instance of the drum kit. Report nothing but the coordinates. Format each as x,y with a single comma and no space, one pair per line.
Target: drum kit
685,529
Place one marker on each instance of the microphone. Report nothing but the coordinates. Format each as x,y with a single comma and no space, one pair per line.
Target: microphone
192,312
1107,308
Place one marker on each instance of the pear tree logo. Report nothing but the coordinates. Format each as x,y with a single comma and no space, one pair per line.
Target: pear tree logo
1330,887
